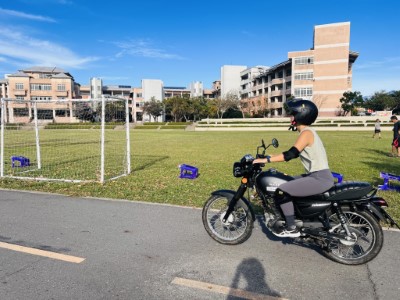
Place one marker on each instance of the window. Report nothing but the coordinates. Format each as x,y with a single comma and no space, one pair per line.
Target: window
304,76
21,112
41,98
305,60
61,87
40,87
44,75
19,86
19,97
62,113
303,92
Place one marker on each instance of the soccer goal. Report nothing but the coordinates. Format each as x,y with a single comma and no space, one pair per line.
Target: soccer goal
74,140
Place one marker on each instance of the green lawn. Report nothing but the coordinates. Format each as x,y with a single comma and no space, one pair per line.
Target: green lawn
157,154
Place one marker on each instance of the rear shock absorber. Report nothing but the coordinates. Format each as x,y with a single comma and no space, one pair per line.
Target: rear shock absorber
342,219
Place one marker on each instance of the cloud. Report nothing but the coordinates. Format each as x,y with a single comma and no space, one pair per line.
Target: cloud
23,15
368,86
144,49
390,62
15,46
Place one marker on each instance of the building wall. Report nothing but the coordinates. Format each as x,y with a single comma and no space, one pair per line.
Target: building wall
196,89
96,88
321,74
3,88
230,79
331,68
152,88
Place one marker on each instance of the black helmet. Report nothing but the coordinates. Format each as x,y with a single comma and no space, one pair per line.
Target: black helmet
305,112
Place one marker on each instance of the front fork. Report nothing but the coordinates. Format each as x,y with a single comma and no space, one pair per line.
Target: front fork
239,194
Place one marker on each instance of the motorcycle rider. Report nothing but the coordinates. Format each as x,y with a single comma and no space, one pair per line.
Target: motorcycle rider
310,149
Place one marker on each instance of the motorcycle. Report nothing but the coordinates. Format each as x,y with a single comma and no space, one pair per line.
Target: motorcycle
343,221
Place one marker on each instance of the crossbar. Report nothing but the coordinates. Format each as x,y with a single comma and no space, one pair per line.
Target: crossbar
387,177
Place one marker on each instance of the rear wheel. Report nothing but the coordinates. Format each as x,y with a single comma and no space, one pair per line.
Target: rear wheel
236,229
365,242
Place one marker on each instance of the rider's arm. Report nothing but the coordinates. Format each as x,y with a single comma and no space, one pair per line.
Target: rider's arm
305,139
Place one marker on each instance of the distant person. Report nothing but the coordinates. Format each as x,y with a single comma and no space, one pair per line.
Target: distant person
377,128
396,137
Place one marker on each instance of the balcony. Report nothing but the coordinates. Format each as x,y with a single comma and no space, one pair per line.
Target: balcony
62,93
277,81
19,92
275,105
276,93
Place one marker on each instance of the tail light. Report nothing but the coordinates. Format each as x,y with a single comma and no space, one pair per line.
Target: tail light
379,201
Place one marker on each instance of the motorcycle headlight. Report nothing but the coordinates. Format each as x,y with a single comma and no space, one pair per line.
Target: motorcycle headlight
237,169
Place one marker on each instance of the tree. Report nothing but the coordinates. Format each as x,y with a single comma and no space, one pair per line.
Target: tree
174,106
153,108
394,102
243,106
379,101
85,112
230,100
350,100
319,100
200,108
113,111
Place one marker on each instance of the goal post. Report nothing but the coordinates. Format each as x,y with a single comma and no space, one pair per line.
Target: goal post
74,140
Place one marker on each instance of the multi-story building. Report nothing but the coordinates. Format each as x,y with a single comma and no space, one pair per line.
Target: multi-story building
176,91
39,83
96,88
247,91
268,90
230,79
3,88
321,74
196,89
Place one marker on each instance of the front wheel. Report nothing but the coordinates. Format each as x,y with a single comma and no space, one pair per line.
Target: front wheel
366,238
237,228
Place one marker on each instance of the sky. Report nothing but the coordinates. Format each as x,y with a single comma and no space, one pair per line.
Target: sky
180,42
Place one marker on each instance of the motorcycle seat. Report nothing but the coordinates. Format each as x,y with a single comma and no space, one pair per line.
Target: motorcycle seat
348,190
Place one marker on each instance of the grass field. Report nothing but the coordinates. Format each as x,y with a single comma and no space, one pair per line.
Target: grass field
157,154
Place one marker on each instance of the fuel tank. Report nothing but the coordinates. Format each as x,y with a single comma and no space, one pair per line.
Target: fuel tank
268,181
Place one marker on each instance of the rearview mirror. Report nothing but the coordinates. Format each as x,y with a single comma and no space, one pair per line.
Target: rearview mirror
275,143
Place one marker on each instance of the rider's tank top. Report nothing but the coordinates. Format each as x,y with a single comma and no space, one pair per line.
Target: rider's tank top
314,157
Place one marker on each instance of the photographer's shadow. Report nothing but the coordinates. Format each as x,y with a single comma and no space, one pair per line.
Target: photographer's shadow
251,270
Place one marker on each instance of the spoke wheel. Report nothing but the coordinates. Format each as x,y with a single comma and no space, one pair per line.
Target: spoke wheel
236,229
364,243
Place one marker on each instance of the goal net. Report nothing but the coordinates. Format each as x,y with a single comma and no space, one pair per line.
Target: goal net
66,140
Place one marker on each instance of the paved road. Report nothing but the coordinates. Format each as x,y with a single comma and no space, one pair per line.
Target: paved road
144,251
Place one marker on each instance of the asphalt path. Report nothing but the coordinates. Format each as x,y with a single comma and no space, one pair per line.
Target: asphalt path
132,250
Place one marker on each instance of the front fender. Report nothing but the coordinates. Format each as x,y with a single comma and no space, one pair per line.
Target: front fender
229,195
